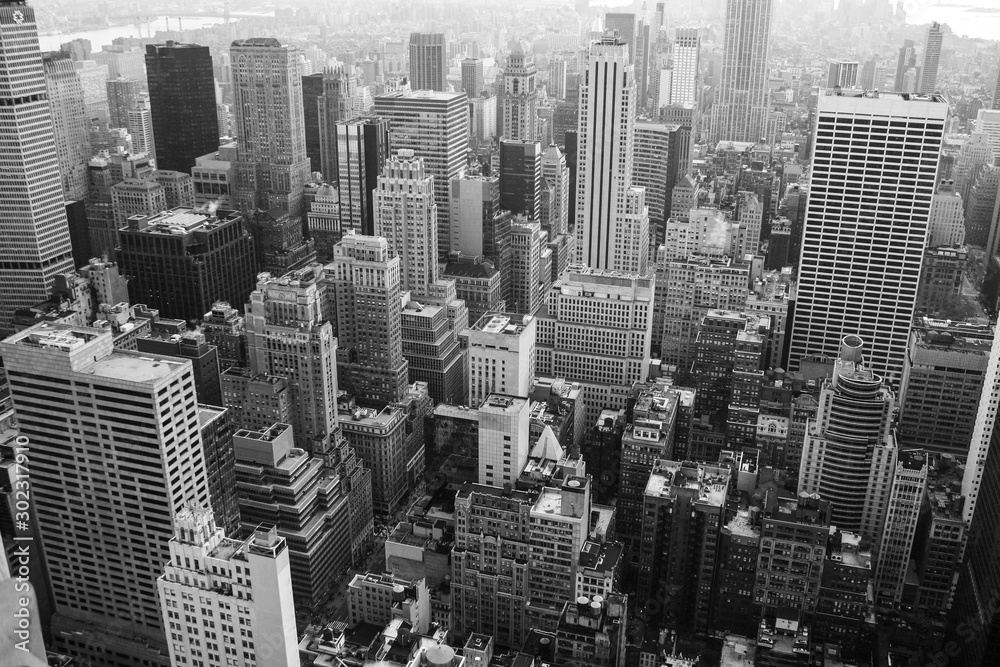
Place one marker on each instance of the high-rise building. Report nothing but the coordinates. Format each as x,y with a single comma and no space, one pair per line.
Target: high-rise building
655,167
366,282
328,98
435,126
555,175
472,77
136,197
594,328
69,386
906,498
975,153
946,226
849,454
932,59
182,100
288,336
557,78
503,438
625,25
851,131
139,122
428,61
521,177
180,262
686,72
406,216
249,576
34,232
272,166
122,95
480,227
843,74
362,149
531,266
905,63
69,124
741,108
519,99
501,356
94,80
612,223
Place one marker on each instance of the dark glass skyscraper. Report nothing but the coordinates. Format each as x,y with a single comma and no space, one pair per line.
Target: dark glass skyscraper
362,149
182,98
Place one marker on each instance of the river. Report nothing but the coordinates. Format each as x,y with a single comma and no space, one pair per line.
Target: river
102,36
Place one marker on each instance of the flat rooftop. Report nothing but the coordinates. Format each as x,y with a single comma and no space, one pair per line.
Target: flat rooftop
495,323
134,367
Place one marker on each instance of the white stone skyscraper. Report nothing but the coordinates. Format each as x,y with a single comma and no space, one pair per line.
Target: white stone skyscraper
406,216
740,112
520,99
272,166
687,63
612,223
34,234
873,178
69,123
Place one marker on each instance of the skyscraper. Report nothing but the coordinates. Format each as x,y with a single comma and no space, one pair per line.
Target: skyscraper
272,166
519,97
741,108
625,25
34,233
122,95
521,177
687,67
69,385
69,124
435,126
612,224
362,147
428,61
182,101
328,97
874,244
906,61
843,73
932,59
472,77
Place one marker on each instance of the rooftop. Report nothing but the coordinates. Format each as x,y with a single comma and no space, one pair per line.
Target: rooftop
496,323
852,551
741,525
134,366
600,557
669,478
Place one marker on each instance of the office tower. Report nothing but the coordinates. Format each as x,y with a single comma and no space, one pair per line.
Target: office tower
69,124
284,316
178,188
501,356
988,122
682,517
213,177
428,61
932,59
521,177
518,97
69,385
646,440
871,77
741,108
655,167
321,505
431,347
136,197
435,127
139,121
686,72
736,569
323,219
942,382
906,496
272,167
379,437
794,535
612,236
946,224
381,598
279,242
249,576
557,79
574,339
975,153
555,175
182,100
881,313
844,610
122,60
979,209
328,98
480,227
204,359
941,279
366,283
483,126
35,241
503,438
477,283
996,94
362,149
472,77
406,216
625,25
180,262
592,627
906,62
531,266
842,74
641,60
849,454
94,81
122,96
